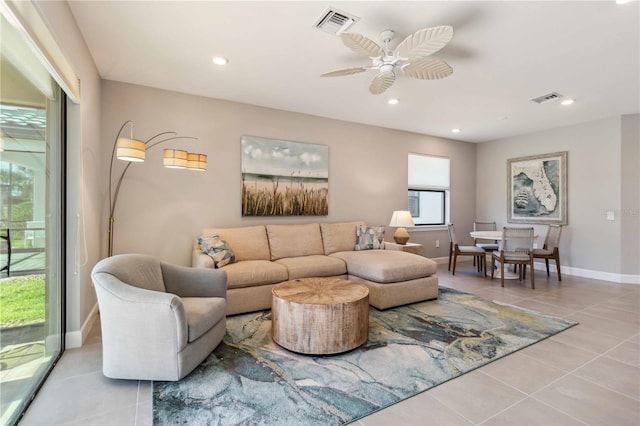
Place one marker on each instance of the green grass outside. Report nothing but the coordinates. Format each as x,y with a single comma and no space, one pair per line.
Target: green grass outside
22,300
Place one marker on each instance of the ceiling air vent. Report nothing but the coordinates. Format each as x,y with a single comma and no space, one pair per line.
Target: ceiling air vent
546,98
335,22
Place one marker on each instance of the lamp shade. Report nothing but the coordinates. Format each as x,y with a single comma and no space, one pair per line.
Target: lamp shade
401,218
130,150
175,159
197,161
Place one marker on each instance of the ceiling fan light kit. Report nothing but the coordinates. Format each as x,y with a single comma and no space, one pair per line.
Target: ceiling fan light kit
408,58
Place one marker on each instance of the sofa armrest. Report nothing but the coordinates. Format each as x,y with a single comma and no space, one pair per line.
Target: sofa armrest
194,282
201,260
158,318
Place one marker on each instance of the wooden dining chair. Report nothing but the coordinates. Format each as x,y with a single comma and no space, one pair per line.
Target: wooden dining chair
550,248
456,250
516,248
486,245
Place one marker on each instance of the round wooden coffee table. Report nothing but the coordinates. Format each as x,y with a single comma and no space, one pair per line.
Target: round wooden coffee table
320,315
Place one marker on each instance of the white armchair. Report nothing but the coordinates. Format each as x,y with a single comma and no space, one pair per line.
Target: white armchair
159,321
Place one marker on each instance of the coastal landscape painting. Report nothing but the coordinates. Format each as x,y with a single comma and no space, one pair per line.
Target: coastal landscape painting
537,189
284,178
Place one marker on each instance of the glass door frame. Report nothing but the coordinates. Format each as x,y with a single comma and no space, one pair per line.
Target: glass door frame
54,198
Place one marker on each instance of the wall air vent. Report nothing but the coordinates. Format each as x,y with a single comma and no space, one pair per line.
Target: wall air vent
546,98
335,22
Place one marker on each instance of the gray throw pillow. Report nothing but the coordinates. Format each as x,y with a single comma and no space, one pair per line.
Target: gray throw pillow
217,249
369,238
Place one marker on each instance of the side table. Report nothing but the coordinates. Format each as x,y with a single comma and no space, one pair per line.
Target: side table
414,248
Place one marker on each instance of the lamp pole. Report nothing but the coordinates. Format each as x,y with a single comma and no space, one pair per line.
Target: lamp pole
113,196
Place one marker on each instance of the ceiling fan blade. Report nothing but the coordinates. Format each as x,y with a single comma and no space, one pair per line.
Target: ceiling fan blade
346,71
427,69
425,42
382,82
362,45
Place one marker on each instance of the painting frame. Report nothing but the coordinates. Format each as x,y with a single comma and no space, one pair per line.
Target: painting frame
283,178
537,189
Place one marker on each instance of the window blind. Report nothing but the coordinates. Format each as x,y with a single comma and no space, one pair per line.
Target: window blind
27,23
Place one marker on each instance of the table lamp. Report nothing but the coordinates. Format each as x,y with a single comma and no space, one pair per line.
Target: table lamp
401,219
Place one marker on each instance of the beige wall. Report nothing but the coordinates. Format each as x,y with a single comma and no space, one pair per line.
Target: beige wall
84,174
630,196
160,211
589,242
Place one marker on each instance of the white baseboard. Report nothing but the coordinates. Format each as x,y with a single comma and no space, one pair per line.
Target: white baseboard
75,339
568,270
588,273
630,279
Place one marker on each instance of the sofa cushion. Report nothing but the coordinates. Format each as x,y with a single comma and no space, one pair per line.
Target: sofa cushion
386,266
385,295
247,242
202,314
254,272
217,249
369,238
294,240
313,266
339,236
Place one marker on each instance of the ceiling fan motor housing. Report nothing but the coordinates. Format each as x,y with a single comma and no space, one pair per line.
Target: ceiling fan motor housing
385,68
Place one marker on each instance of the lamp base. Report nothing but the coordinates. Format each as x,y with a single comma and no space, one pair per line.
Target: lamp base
401,236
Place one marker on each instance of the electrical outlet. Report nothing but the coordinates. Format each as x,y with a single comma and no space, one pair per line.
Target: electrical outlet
535,245
437,243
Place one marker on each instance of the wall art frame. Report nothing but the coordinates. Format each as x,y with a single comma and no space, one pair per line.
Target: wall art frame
284,178
537,189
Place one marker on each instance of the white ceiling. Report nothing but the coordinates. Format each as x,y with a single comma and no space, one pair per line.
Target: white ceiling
503,54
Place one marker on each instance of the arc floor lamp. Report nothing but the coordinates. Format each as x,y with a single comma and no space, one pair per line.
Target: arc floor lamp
133,151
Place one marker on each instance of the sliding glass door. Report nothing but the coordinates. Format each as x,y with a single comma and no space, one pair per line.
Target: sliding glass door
32,192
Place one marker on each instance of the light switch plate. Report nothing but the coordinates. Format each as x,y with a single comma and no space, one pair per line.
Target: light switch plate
610,215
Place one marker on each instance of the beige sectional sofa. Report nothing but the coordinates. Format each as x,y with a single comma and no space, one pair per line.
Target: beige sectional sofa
266,255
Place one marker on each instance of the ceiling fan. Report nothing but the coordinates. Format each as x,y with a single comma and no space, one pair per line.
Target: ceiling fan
409,57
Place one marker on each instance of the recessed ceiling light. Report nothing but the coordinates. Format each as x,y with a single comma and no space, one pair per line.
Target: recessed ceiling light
393,101
567,102
219,60
456,130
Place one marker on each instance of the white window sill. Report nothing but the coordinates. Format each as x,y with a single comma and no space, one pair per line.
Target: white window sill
427,228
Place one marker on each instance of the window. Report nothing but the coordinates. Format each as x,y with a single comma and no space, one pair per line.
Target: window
428,189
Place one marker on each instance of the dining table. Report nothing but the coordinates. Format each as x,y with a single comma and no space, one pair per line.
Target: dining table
496,236
490,235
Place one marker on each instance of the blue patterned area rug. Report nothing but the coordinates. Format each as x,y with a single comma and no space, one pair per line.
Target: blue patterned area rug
250,380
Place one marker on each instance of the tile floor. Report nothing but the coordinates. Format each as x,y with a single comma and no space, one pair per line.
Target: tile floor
587,375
